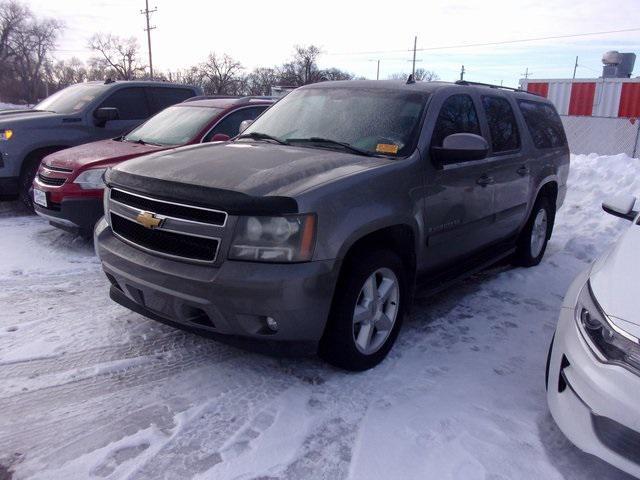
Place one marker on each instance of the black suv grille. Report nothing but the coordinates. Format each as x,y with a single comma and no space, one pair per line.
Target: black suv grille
185,212
56,182
169,243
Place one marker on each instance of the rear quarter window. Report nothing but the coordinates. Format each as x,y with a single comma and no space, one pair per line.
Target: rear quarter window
543,123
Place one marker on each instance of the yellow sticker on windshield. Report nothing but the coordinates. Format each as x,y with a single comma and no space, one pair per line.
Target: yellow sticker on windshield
388,148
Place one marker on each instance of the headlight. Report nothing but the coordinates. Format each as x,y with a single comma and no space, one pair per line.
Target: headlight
610,341
6,135
289,238
91,179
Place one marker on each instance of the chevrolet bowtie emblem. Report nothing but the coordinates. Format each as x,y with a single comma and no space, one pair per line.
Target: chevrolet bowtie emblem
149,220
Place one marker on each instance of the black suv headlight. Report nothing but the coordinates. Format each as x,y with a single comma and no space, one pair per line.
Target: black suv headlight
284,239
608,340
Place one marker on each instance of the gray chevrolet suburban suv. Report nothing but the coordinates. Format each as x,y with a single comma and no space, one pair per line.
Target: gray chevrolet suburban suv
319,220
75,115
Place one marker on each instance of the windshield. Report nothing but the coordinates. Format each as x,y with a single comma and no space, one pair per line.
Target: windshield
71,99
173,126
373,120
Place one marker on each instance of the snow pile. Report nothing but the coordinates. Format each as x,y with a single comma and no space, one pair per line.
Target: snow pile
93,390
12,106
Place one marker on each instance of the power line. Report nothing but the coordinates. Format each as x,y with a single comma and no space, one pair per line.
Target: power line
486,44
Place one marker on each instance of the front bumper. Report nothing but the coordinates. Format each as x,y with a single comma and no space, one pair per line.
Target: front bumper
594,404
78,215
233,299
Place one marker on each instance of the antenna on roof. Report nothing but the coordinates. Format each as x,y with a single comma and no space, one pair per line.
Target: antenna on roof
411,79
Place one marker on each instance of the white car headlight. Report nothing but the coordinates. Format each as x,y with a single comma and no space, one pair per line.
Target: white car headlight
285,239
609,340
91,179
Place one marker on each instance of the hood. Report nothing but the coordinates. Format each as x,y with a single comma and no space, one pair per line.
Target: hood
96,153
13,117
251,168
615,283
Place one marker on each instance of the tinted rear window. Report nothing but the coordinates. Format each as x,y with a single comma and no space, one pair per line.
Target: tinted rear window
543,123
131,103
163,97
502,124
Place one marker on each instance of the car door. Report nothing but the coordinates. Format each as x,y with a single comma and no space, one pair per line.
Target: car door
133,108
510,170
230,124
458,197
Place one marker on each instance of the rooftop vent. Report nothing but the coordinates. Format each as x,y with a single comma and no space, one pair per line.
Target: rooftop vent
618,65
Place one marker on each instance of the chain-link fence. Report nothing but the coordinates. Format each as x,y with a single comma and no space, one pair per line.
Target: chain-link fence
604,136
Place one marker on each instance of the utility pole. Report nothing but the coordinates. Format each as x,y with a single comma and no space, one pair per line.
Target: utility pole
526,73
462,72
575,67
378,71
146,12
415,43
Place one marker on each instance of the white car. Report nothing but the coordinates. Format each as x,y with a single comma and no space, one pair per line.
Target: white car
593,369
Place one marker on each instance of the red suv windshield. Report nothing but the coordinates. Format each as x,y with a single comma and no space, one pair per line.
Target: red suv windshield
175,125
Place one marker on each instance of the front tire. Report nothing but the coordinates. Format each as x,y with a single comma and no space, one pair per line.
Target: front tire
367,311
533,240
28,174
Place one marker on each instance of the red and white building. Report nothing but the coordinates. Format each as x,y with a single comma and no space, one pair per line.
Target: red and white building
599,97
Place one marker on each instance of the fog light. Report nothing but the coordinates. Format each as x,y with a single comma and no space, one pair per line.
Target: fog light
272,324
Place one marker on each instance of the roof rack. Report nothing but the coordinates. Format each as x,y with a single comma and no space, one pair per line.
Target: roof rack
489,85
239,98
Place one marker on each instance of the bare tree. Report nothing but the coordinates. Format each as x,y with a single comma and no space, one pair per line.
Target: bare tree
117,55
13,17
260,81
421,75
221,75
335,74
31,47
66,72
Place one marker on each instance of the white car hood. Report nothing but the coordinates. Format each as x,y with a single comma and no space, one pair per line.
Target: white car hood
615,281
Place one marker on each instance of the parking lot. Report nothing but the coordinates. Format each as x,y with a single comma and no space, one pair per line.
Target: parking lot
90,389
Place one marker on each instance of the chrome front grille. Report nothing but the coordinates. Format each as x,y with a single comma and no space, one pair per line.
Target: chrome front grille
165,228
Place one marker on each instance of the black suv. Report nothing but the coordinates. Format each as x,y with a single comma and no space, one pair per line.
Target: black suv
318,220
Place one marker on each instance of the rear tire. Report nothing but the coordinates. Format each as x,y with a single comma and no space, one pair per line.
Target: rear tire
533,240
367,311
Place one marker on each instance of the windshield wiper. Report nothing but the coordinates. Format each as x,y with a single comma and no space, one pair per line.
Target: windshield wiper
328,141
263,136
141,142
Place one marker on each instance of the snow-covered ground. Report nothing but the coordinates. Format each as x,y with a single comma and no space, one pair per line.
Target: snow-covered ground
91,390
11,106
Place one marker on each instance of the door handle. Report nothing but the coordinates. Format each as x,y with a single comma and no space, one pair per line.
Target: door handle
523,170
485,180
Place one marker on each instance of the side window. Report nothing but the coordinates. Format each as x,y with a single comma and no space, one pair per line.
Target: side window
131,103
543,123
502,124
230,125
163,97
457,115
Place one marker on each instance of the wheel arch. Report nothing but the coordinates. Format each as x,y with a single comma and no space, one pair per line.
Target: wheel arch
40,153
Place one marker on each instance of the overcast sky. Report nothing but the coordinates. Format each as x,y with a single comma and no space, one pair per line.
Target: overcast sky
262,33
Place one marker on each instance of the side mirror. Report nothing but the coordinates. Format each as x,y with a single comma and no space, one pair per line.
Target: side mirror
244,125
621,206
460,147
106,114
220,137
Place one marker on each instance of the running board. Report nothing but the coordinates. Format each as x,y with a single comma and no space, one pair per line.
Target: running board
427,285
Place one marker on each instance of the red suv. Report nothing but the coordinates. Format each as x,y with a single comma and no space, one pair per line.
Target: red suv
67,190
